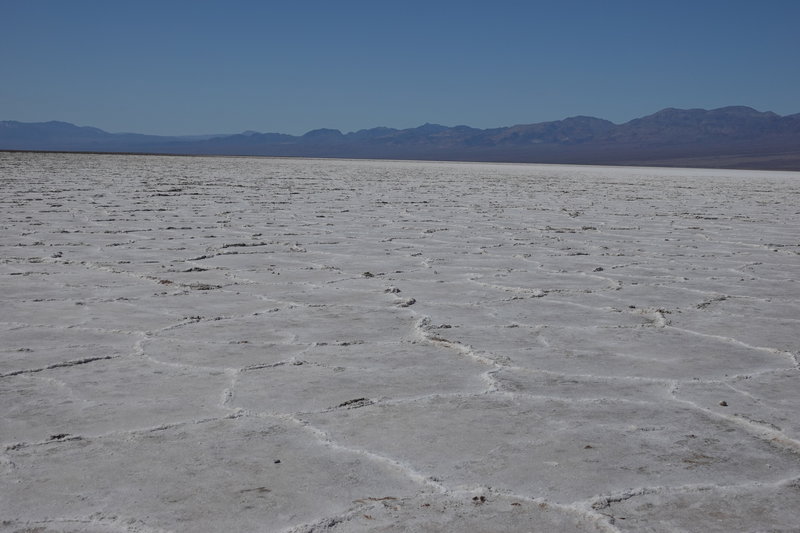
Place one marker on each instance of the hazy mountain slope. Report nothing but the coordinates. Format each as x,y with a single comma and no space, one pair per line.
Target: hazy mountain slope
731,136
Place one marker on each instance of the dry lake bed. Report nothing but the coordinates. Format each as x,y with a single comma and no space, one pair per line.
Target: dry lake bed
240,344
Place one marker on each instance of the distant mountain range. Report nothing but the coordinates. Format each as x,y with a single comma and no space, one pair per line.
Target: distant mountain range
729,137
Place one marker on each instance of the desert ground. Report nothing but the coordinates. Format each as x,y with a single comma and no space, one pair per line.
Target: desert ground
292,345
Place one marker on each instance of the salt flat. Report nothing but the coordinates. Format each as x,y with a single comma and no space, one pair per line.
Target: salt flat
241,344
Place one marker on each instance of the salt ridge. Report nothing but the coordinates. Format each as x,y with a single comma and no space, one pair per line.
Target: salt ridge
452,346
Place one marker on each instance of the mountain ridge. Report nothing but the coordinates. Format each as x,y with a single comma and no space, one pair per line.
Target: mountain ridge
727,137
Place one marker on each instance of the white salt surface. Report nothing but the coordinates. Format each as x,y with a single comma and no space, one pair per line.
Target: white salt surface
234,344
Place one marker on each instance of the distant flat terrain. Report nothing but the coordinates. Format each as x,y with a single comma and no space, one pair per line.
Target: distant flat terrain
245,344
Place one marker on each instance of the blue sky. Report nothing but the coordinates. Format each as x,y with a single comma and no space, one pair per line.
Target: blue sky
193,67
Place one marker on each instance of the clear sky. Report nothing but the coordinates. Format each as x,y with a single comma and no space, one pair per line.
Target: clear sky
193,67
